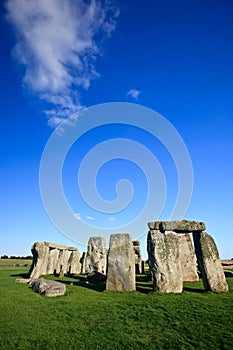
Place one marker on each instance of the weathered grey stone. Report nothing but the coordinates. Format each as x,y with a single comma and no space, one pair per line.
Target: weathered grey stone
74,266
22,280
164,261
121,264
52,261
83,262
48,288
209,263
177,226
40,254
137,257
46,260
96,255
62,263
187,258
59,246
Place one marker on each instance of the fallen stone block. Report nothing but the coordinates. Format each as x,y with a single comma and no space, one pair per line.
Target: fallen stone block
23,280
48,288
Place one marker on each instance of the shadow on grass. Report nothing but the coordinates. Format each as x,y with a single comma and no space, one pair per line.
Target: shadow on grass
20,275
143,283
142,288
194,290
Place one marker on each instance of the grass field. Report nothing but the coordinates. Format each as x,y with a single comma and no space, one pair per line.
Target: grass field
88,317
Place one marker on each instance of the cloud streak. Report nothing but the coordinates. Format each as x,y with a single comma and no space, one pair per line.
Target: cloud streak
133,93
58,42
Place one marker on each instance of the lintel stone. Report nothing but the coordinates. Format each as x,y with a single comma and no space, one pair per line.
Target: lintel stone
178,226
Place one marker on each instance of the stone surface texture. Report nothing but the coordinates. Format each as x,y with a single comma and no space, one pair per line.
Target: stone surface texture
137,257
187,258
209,262
40,254
48,288
121,263
179,226
23,280
83,262
50,258
62,263
74,266
52,261
164,261
96,258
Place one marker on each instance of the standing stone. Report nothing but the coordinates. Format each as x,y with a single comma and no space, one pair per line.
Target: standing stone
164,261
121,264
137,257
40,254
83,262
187,258
96,256
52,261
209,262
74,266
62,264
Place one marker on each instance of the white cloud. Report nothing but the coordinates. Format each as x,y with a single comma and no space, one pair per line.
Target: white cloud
90,218
58,46
134,93
78,216
111,218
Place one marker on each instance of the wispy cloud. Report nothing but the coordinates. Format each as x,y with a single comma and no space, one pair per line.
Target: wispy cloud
133,93
58,42
90,218
111,218
78,216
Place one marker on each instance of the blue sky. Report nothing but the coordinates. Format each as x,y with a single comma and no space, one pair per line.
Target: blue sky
174,57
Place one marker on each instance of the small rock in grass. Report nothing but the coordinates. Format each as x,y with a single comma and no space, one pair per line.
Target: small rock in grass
48,288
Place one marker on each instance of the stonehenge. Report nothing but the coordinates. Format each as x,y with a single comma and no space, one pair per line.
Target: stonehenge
50,258
173,258
169,239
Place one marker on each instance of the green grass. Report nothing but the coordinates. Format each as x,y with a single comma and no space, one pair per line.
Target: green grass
14,262
88,317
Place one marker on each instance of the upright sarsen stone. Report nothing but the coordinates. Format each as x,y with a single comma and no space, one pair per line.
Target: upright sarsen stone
209,262
137,257
121,264
52,261
74,265
187,258
164,261
83,262
40,252
96,256
62,263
